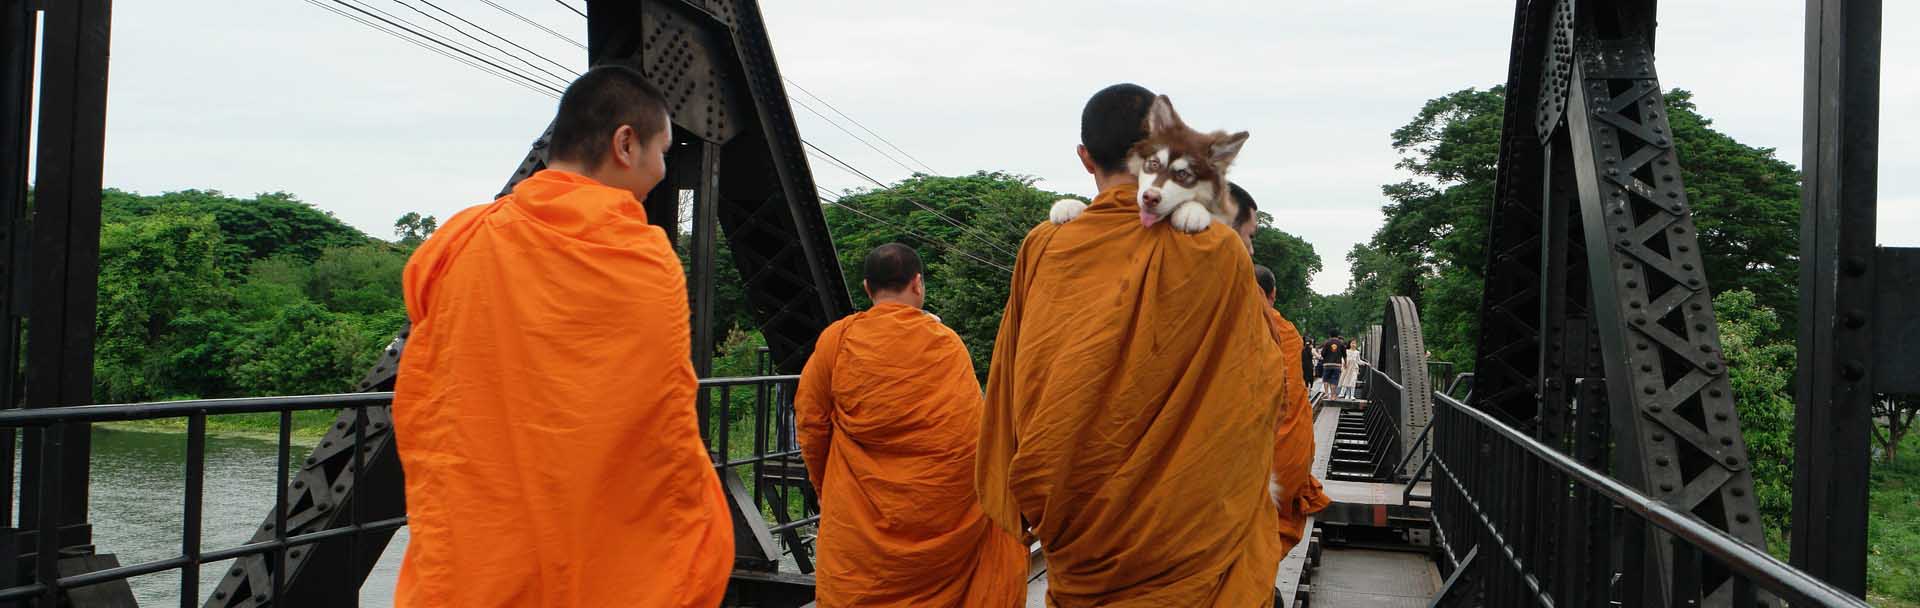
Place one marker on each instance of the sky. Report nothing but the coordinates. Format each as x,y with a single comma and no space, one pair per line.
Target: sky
281,95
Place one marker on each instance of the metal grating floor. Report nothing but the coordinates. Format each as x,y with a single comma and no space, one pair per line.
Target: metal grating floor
1362,578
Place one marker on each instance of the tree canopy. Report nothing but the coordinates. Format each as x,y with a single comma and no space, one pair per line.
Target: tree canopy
1432,245
207,295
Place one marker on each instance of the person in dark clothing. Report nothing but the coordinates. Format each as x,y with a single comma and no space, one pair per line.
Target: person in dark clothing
1332,354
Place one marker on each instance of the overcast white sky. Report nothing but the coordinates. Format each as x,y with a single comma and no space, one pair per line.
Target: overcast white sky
266,95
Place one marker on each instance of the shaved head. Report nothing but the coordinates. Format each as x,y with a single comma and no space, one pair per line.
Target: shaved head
598,104
891,267
1264,277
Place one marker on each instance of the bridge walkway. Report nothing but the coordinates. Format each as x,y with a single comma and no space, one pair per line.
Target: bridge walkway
1345,562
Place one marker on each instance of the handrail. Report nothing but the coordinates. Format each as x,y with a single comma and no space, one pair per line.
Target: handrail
114,412
1798,587
771,395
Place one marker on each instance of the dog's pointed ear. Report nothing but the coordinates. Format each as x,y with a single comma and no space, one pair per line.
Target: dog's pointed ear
1161,116
1226,148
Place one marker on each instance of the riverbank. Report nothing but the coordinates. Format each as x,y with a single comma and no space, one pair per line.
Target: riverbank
307,425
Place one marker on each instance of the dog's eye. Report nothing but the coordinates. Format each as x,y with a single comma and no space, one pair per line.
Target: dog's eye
1183,175
1153,165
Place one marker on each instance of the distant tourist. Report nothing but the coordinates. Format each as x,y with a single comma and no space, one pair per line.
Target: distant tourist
1131,403
1333,353
1349,371
545,405
889,416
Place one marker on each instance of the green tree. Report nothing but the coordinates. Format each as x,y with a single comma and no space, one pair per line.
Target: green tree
302,348
1432,245
414,228
158,281
1893,417
362,279
256,228
1292,260
1760,370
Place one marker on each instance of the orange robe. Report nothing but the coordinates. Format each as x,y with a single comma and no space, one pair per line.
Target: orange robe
1131,413
889,414
1300,494
545,411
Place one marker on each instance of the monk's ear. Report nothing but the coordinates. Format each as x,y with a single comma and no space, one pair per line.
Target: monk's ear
865,288
627,146
1226,148
1086,160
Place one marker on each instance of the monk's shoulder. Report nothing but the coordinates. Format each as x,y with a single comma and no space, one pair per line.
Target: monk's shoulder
837,328
452,234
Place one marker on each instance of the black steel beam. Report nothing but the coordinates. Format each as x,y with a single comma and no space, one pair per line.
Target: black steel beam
66,250
1835,382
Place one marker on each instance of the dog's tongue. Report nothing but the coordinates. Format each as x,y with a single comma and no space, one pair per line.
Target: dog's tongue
1147,218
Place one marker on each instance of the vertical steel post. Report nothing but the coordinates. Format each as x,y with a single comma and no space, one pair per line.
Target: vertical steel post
66,250
706,224
1834,381
18,38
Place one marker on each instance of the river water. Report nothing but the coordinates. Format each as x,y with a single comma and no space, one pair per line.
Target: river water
139,481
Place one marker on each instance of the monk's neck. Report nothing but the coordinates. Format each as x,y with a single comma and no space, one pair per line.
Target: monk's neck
1103,182
878,301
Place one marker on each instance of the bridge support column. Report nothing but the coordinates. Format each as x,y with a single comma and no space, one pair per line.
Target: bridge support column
1836,376
65,248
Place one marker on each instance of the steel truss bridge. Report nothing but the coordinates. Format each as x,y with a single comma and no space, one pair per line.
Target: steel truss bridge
1593,458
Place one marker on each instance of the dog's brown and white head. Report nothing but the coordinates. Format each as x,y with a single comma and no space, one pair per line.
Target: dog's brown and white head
1178,165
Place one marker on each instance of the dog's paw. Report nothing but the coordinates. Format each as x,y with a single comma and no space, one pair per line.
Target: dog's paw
1190,218
1064,210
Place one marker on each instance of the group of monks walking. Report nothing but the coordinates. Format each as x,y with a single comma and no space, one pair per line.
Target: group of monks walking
1145,423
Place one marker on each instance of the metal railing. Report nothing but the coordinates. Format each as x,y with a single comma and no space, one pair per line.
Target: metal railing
763,455
770,464
51,424
1560,532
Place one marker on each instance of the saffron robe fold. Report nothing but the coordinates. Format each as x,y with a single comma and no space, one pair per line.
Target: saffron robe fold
888,412
1131,411
544,411
1300,494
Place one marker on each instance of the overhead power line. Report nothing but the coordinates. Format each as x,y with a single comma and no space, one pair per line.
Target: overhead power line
497,49
571,8
449,46
533,23
929,209
869,145
516,45
857,123
911,232
416,42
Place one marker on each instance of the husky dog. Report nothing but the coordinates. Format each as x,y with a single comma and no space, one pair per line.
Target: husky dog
1182,172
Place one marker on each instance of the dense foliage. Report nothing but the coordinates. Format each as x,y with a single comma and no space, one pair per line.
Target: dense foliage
1746,205
1760,368
207,295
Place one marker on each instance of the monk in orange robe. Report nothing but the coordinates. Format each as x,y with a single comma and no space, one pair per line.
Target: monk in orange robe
1131,404
889,413
1294,488
544,410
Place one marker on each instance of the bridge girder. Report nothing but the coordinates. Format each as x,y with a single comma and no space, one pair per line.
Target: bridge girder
1595,279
